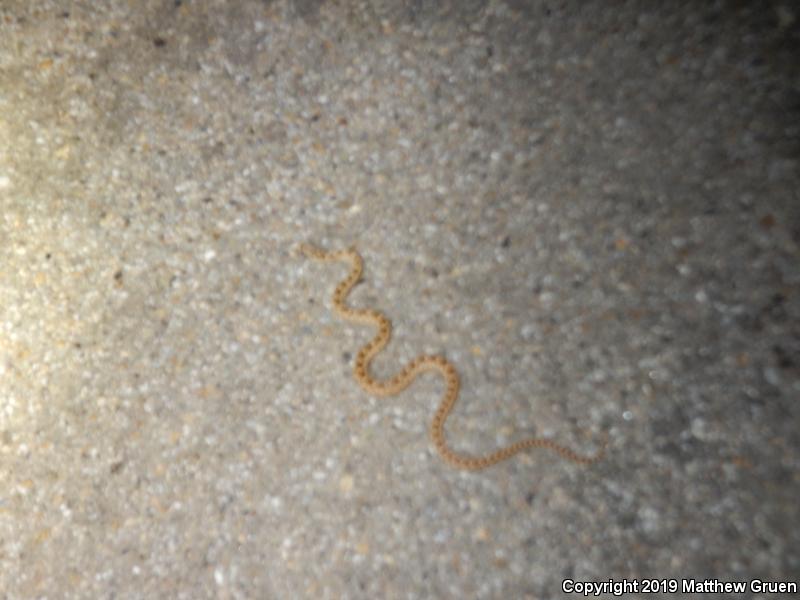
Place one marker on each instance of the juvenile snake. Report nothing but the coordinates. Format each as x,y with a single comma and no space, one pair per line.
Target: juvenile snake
421,363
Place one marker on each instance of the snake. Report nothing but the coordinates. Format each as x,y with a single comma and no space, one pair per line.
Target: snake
416,366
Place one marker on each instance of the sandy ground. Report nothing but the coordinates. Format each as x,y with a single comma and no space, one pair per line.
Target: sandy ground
590,208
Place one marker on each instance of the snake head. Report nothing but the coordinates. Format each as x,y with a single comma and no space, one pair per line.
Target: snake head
306,249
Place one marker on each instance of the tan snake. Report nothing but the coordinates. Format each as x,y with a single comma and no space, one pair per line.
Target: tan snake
421,363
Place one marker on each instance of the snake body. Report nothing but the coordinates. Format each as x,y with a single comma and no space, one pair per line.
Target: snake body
420,364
